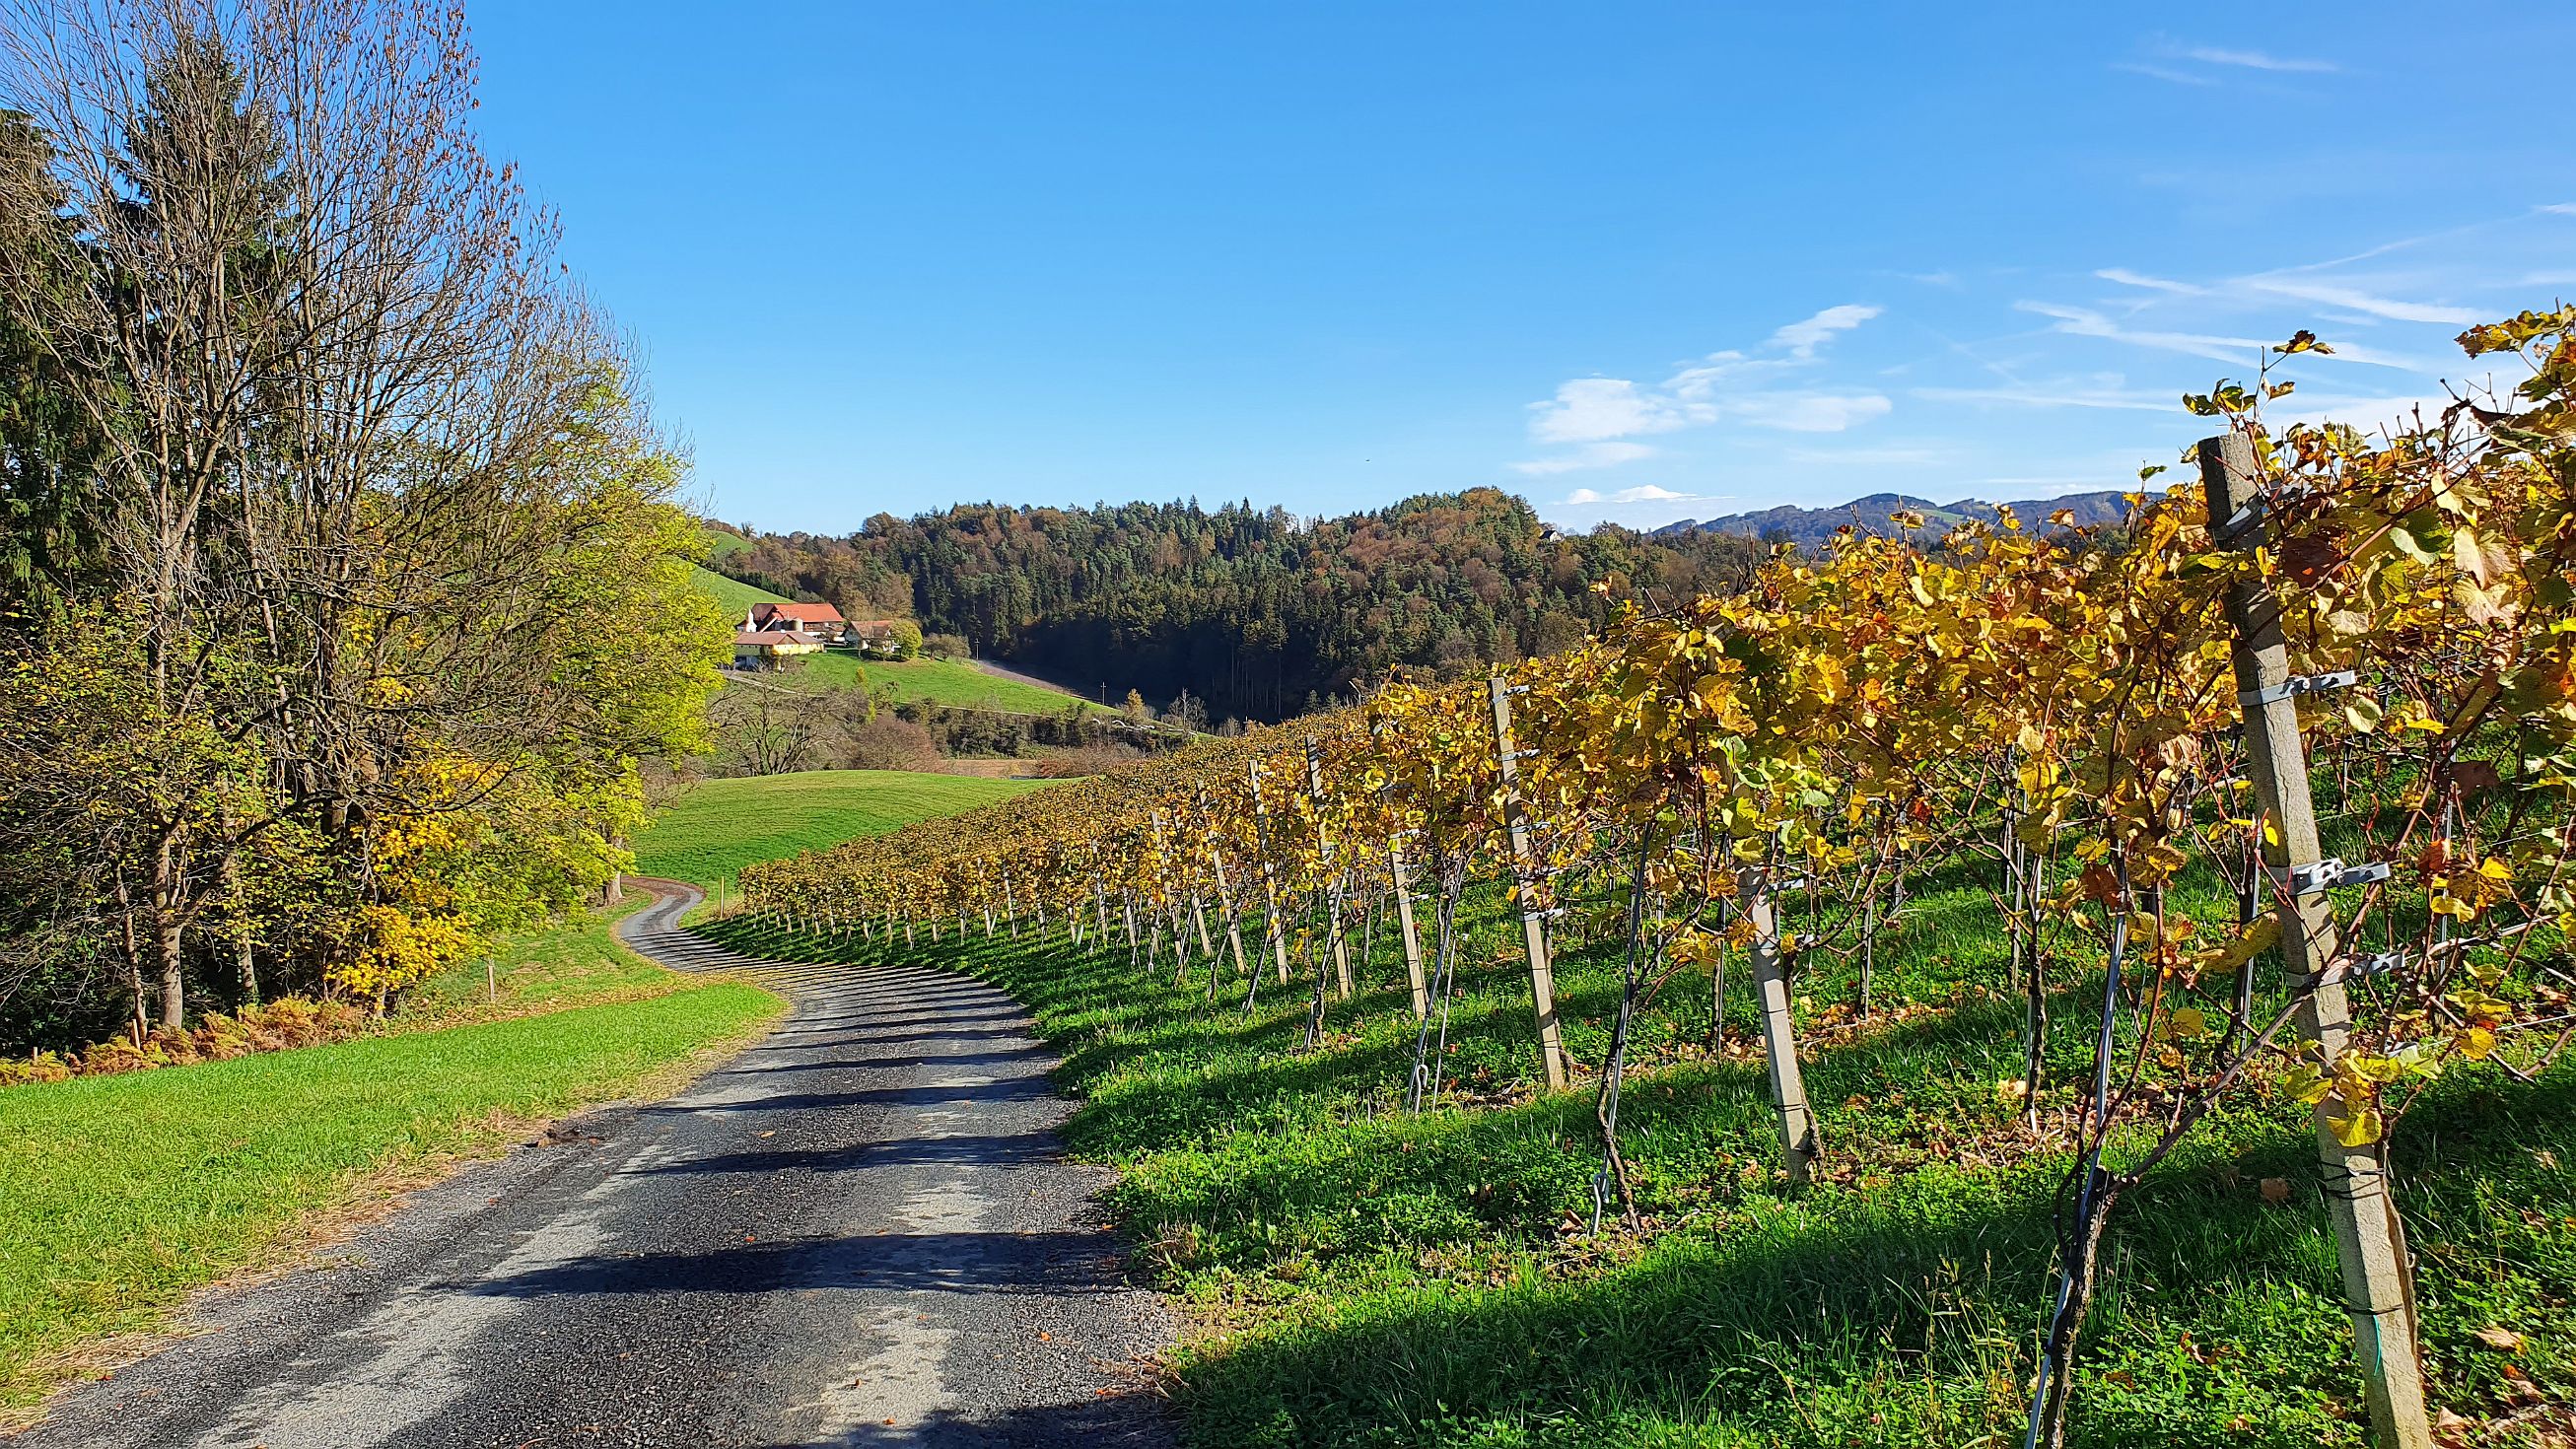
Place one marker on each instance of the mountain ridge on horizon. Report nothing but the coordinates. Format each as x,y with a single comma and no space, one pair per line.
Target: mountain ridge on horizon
1810,526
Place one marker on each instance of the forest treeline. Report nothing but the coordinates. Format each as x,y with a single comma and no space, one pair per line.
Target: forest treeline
341,585
1260,613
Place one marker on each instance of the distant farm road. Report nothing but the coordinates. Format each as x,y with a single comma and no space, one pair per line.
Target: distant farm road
857,1232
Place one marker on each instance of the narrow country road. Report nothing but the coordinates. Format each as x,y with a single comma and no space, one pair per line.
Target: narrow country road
858,1232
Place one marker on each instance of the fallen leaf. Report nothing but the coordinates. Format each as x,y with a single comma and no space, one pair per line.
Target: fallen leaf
2276,1190
2502,1340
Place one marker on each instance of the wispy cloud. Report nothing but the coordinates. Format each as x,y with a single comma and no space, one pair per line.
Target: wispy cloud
1643,493
2561,208
1803,338
1591,455
2084,322
2127,278
1597,413
2252,60
2099,398
2177,63
2241,351
2359,301
2166,74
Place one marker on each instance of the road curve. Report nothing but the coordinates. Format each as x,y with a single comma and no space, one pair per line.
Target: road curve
858,1232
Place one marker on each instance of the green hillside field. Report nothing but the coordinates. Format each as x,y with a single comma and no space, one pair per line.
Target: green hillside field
736,596
720,826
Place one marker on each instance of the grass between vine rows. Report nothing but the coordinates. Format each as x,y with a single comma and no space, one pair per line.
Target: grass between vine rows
1363,1277
119,1195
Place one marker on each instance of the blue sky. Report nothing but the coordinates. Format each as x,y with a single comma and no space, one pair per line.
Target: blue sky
1634,262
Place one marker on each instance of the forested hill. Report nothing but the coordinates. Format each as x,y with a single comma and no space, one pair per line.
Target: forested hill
1258,612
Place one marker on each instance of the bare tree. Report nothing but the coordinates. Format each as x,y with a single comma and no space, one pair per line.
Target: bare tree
365,445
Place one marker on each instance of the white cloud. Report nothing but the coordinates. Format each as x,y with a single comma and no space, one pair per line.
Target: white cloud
2127,278
2252,60
1591,455
2359,301
1596,412
2562,208
1803,338
1588,409
1642,493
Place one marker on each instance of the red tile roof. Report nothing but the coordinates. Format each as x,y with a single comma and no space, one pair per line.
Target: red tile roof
766,636
798,613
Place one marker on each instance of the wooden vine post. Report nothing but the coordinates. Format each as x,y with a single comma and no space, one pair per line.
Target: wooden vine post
1529,875
2368,1238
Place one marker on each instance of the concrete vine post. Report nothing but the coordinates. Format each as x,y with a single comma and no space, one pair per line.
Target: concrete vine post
2377,1280
1779,1029
1333,889
1269,877
1224,904
1403,889
1530,877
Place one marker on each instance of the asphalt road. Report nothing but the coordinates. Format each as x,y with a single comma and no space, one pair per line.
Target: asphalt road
858,1232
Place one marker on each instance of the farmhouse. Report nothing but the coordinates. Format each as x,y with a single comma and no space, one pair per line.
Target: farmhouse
820,623
764,648
880,636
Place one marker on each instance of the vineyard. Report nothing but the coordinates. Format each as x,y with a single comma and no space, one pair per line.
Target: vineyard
2004,908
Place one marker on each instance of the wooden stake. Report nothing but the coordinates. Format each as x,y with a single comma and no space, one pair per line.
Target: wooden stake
2377,1280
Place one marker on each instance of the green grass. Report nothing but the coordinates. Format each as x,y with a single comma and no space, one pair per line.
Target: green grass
722,545
736,596
959,684
720,826
1361,1277
573,962
118,1195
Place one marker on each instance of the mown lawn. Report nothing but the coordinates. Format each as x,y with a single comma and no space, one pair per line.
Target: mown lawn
720,826
1364,1277
118,1195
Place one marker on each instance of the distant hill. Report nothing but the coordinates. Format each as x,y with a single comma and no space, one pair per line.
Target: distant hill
1811,527
1258,613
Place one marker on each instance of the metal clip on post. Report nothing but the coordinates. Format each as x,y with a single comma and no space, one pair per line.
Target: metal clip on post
2296,685
2308,880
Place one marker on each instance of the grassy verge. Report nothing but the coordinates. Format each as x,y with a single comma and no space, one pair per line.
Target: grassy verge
119,1195
720,826
1361,1276
574,962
